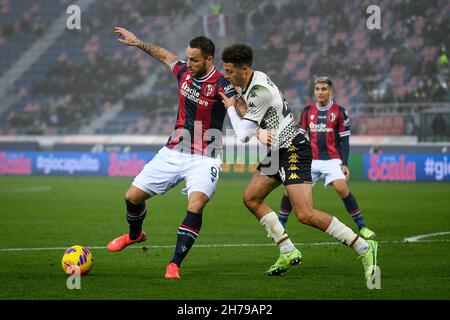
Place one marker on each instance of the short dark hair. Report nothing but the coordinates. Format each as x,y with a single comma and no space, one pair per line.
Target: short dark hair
238,54
324,80
205,44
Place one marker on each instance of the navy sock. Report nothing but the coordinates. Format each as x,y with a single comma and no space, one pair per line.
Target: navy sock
135,217
285,210
353,210
186,236
285,204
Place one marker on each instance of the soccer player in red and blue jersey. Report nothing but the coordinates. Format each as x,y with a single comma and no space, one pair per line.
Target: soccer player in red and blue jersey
193,150
328,126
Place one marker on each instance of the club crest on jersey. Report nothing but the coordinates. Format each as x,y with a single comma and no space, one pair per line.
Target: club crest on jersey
208,90
332,116
312,117
188,77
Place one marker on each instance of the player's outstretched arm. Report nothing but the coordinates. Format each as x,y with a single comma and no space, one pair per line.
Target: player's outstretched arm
161,54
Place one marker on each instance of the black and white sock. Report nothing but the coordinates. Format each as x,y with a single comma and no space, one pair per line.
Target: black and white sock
135,217
187,234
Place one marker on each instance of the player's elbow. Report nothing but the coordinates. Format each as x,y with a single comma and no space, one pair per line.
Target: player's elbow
244,138
245,135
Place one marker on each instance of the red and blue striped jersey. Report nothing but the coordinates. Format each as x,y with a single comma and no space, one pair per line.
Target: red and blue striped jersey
325,126
201,113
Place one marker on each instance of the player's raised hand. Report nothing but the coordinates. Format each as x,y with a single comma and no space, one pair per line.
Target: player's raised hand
128,38
228,102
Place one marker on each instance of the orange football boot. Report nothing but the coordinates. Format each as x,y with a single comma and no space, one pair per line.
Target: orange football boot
172,271
124,240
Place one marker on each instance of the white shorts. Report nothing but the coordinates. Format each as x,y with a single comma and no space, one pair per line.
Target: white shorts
170,167
330,170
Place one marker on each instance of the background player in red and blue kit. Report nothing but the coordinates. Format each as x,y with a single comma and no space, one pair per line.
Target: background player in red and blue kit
192,152
328,126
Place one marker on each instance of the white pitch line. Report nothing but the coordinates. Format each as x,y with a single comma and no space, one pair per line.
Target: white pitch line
223,245
27,189
421,236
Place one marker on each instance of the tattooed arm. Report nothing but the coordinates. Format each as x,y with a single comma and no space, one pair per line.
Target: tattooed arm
161,54
241,107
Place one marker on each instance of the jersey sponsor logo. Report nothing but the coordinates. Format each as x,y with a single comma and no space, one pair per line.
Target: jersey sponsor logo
192,94
319,127
186,88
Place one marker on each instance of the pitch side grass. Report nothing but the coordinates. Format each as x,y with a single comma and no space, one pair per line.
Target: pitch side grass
41,216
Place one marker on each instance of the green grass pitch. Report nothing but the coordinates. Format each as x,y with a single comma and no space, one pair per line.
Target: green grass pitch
232,253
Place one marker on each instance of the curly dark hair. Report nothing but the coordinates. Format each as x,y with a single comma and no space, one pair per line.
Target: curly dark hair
238,54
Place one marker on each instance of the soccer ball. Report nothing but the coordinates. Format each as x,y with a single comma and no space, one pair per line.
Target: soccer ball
77,256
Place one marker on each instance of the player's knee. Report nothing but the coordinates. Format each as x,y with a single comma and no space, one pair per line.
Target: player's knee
305,215
196,206
250,201
132,197
197,201
343,192
341,189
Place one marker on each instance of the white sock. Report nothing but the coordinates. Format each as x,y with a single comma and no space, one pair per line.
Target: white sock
344,234
276,231
286,246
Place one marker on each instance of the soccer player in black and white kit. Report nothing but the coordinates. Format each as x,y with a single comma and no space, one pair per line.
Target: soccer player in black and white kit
192,152
291,153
